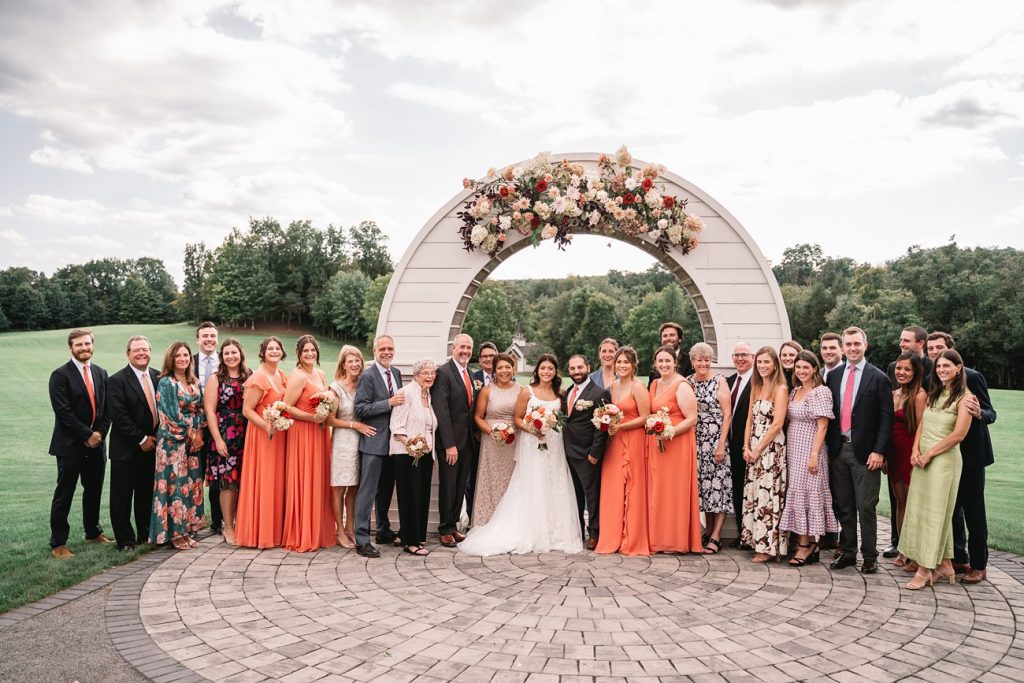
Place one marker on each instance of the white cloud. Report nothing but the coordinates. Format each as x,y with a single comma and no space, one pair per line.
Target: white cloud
57,158
447,99
1013,217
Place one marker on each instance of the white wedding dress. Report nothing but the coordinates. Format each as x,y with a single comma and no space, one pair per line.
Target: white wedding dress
538,512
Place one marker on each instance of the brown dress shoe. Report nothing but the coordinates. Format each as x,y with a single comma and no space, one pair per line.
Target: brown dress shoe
961,567
459,538
99,539
62,552
448,541
974,576
591,543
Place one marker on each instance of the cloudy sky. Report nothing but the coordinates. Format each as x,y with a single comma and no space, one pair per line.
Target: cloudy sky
130,129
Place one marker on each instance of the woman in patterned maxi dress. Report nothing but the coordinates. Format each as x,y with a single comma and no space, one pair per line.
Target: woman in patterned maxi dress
178,486
764,491
714,415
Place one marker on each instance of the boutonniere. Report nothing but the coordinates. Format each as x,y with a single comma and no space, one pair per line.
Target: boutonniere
477,385
583,405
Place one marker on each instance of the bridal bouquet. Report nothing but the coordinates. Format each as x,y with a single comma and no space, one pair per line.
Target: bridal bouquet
417,447
326,405
659,425
503,433
278,418
540,421
606,415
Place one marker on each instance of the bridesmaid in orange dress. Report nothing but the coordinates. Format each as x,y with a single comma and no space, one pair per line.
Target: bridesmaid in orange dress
259,519
673,502
624,467
308,515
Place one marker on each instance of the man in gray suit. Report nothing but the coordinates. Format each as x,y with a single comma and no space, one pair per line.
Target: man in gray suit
376,394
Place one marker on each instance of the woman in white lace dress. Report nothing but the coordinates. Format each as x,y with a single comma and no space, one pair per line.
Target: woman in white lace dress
538,512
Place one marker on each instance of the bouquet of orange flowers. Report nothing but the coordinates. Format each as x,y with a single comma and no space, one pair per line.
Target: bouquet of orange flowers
326,405
659,425
540,421
606,415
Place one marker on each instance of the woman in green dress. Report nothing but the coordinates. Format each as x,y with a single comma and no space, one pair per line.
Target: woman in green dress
927,535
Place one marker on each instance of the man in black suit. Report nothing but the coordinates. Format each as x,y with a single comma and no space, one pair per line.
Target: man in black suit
78,393
671,334
970,523
131,407
858,441
912,340
206,363
453,396
485,375
739,390
584,443
376,394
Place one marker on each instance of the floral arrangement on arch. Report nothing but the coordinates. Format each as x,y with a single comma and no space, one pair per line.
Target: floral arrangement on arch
552,200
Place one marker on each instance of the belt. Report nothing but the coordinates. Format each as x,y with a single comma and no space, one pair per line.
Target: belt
846,438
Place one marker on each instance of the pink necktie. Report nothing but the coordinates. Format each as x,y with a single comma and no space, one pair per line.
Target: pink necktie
846,413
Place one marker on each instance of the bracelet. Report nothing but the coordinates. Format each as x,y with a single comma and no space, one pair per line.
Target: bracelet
350,425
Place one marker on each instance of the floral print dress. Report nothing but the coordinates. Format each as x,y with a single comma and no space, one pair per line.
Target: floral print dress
714,479
178,485
227,470
764,489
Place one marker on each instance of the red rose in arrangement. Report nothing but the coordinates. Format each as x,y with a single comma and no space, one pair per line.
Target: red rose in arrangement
537,424
503,191
628,198
647,184
668,201
535,222
510,438
541,186
659,428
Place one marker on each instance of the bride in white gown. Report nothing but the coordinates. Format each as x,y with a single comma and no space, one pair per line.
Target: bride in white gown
538,512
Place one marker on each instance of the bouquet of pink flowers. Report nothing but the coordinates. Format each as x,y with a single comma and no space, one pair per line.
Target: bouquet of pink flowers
540,421
606,415
278,418
417,447
503,433
659,425
326,405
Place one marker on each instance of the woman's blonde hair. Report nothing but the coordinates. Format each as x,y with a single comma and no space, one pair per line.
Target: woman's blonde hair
346,351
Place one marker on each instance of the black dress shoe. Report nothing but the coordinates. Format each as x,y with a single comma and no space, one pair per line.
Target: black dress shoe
386,537
735,545
869,567
127,547
891,551
843,561
367,550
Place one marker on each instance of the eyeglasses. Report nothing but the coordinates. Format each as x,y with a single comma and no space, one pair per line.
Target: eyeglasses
742,355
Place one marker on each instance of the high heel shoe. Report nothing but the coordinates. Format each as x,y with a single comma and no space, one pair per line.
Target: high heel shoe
815,555
938,575
912,586
800,561
344,541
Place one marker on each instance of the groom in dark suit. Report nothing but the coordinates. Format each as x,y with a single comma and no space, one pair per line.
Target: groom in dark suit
376,394
858,441
78,394
131,405
584,443
453,396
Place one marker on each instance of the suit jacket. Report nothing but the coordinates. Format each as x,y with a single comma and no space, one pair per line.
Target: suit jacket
738,425
478,376
455,425
195,365
579,435
872,413
371,407
73,420
976,448
131,420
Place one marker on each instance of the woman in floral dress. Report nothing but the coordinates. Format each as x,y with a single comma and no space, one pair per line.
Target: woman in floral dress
178,486
223,403
764,491
714,415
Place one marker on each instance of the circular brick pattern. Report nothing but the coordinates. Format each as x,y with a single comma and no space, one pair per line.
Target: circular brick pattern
245,615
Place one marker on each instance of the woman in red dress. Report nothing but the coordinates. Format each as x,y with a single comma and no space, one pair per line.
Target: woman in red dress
623,515
908,402
673,501
259,521
308,515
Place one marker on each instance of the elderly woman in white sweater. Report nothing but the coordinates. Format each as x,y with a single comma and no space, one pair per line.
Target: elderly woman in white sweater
412,445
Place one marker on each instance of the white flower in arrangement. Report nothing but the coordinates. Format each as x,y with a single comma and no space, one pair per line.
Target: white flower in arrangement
675,233
653,198
631,183
573,193
478,234
554,192
594,218
602,196
521,204
663,223
489,244
517,172
548,231
481,207
574,180
560,205
655,235
505,222
542,209
694,223
540,165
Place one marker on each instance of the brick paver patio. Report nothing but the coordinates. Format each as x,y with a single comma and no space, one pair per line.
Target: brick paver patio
232,614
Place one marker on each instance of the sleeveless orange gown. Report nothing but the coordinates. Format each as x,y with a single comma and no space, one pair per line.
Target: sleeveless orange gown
673,501
260,515
623,517
308,517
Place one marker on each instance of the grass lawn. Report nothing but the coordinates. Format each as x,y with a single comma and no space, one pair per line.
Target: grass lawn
1003,479
28,474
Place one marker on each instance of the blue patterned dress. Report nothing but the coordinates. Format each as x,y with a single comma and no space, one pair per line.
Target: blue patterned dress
178,486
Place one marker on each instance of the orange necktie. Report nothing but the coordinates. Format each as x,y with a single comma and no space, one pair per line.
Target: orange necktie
469,386
88,387
149,397
572,399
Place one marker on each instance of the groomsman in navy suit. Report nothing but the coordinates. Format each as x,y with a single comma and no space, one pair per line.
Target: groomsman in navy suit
376,394
131,406
453,396
970,544
858,441
78,393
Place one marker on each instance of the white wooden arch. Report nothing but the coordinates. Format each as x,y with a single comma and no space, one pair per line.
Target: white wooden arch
726,276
